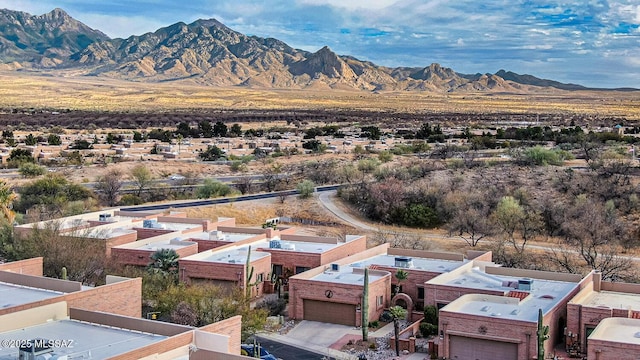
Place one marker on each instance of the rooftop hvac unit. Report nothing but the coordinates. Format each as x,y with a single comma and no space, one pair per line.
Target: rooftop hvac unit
35,349
525,284
275,244
335,267
104,217
403,262
149,223
216,235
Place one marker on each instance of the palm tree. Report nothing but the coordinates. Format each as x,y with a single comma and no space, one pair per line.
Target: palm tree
397,313
164,262
401,275
7,197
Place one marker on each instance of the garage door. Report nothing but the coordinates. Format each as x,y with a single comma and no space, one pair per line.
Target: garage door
329,312
464,348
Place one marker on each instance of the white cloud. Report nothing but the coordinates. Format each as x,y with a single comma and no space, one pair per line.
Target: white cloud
351,4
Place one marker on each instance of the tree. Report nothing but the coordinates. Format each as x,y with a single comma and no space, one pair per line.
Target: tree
7,197
271,176
81,145
507,216
205,128
30,140
314,145
142,178
137,136
469,217
109,187
54,139
244,184
213,188
20,156
397,313
165,263
219,129
236,130
212,153
306,188
52,195
400,275
31,170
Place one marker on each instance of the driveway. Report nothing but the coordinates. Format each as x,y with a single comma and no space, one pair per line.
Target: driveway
320,334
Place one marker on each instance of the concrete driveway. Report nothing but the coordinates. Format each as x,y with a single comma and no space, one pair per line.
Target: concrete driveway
320,334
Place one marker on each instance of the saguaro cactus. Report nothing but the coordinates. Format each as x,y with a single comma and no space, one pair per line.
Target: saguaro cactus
64,273
543,335
364,308
248,273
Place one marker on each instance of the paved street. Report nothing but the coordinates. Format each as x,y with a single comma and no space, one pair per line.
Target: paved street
287,352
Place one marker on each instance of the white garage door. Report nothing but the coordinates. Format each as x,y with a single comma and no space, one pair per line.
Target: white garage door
464,348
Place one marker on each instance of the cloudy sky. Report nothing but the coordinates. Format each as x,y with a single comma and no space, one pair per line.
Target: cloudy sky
589,42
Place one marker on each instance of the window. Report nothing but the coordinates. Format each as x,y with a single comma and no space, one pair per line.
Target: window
277,269
380,300
260,278
301,269
421,293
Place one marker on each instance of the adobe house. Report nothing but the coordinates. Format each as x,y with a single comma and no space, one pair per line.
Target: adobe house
334,294
615,339
598,301
492,312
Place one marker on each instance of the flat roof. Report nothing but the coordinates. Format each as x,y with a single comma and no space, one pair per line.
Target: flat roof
87,340
229,256
618,330
425,264
544,294
346,275
15,295
611,299
224,236
300,246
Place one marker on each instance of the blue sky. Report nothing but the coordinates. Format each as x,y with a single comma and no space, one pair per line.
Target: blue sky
589,42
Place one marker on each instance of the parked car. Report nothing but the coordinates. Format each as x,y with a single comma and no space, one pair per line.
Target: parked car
249,350
176,177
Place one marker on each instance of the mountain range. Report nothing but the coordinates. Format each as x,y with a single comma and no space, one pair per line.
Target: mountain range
209,53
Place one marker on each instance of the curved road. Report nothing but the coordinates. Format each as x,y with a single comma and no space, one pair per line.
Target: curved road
327,200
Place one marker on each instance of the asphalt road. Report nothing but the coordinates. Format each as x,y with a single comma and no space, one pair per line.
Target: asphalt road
287,352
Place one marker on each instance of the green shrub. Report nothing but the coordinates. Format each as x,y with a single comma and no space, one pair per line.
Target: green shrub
427,329
31,170
306,188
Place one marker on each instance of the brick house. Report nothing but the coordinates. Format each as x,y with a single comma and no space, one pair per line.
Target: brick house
492,312
598,301
615,339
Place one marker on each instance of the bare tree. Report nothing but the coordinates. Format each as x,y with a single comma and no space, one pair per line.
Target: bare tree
469,218
108,187
244,184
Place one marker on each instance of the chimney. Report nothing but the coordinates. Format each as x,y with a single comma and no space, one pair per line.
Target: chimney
597,280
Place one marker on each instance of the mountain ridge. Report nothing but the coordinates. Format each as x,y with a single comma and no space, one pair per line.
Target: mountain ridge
208,52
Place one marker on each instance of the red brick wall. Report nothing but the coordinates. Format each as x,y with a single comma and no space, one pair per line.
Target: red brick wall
204,245
145,233
122,298
31,266
344,249
140,257
300,289
120,240
496,329
230,327
290,259
604,350
190,269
